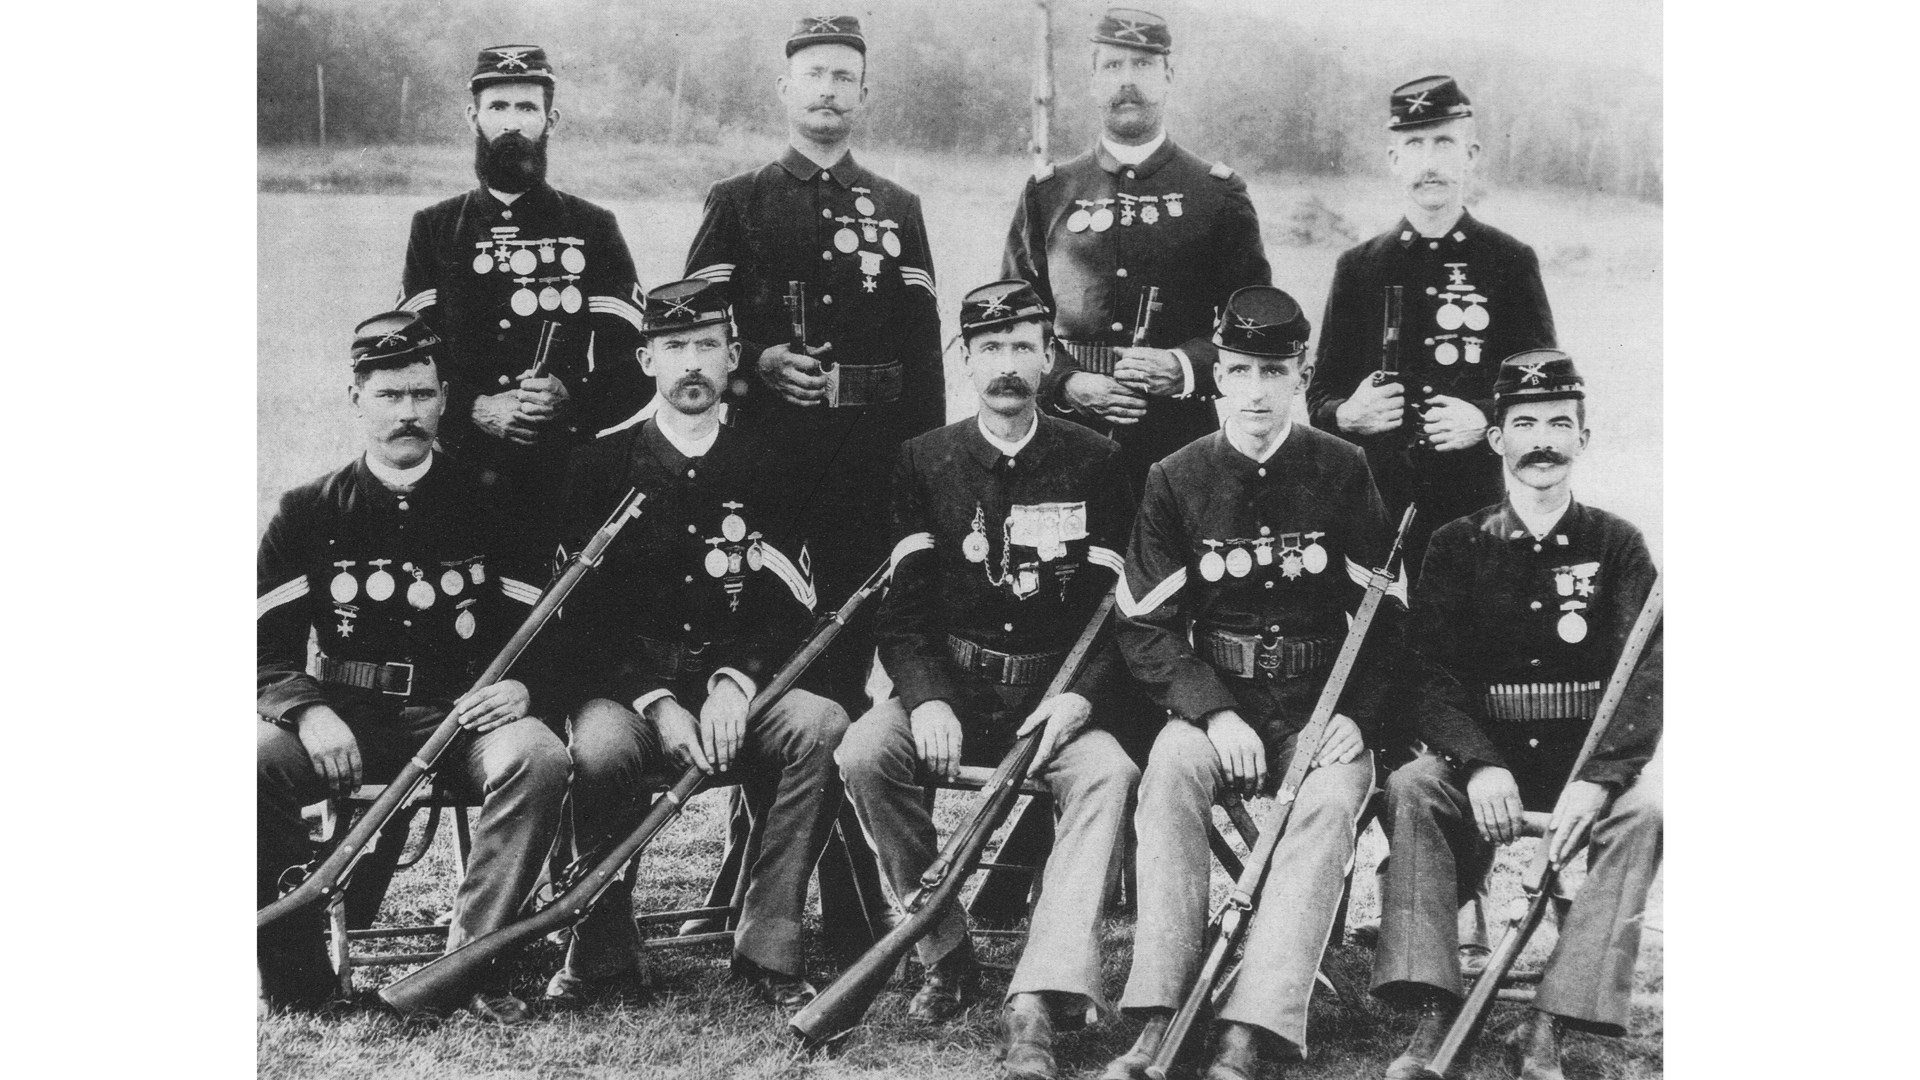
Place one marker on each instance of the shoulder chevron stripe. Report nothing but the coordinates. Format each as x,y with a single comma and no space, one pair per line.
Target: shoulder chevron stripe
920,541
719,272
1133,609
1107,557
519,590
421,300
782,567
618,308
285,594
1361,576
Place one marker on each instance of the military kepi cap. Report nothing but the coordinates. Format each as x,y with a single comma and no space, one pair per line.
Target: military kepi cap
1134,29
1537,375
510,63
393,339
1260,320
999,304
1427,100
683,305
826,30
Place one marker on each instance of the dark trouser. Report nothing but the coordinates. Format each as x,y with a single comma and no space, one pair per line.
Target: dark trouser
786,765
519,771
1438,852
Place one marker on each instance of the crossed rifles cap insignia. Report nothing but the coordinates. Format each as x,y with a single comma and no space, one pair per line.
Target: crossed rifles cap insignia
1418,102
1533,373
512,59
1133,28
678,307
996,305
1252,328
393,338
822,25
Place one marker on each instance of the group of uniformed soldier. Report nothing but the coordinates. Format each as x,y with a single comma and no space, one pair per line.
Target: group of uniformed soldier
1137,375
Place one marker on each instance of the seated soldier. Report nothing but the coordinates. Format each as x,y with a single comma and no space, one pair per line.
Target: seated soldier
1253,546
395,564
1520,613
693,610
1008,525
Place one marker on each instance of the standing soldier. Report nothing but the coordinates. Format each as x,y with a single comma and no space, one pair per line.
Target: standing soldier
1522,611
868,376
1008,526
534,293
1252,546
692,615
394,566
1136,212
1471,295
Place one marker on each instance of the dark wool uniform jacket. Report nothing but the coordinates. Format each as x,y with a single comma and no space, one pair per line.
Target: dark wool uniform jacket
1210,499
1052,522
1093,280
406,579
577,272
1494,605
657,580
1473,260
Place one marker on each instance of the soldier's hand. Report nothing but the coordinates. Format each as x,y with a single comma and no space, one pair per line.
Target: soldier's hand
331,746
541,399
937,737
1153,372
1372,409
1100,395
1064,714
1453,424
499,416
1581,804
795,376
1342,742
492,706
1496,803
723,723
679,733
1243,754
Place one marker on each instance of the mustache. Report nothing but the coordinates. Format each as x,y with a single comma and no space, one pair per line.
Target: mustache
696,379
1010,384
1430,175
1543,456
1127,95
408,429
511,162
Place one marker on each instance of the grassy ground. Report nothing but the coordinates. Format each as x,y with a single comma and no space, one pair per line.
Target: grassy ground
332,228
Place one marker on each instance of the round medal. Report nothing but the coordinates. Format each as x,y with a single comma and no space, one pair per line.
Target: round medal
1446,353
524,302
734,528
1573,628
570,299
1449,316
524,262
1102,219
846,240
754,559
343,587
1239,563
864,205
573,260
974,547
482,263
1077,221
891,242
1315,557
453,583
1212,566
379,585
1475,318
716,563
549,298
463,624
420,595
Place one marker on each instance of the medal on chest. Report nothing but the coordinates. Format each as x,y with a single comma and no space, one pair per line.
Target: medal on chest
523,262
523,301
845,240
1575,584
464,622
1314,558
549,296
1172,199
1102,217
733,526
453,582
1081,218
1461,307
478,572
864,204
379,583
1239,561
890,240
347,613
420,593
344,586
1149,209
572,259
975,547
870,267
570,296
1213,565
1572,625
1127,207
1293,561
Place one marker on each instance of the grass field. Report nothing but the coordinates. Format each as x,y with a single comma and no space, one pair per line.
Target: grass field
332,229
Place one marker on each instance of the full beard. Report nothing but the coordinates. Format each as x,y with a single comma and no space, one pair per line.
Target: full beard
511,163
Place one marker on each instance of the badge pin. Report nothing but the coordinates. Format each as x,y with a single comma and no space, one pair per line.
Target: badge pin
1314,556
1173,203
1026,581
546,251
1127,203
524,262
379,583
1457,277
1213,566
344,586
478,572
1473,349
1150,213
1263,551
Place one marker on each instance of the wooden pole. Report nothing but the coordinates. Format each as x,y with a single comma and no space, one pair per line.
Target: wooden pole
320,84
1041,146
679,79
406,84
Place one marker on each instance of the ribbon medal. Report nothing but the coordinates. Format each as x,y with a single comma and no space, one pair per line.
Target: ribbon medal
379,583
1239,562
1213,566
870,229
524,302
549,296
478,572
1315,556
1173,203
1127,205
1572,625
453,582
1263,551
570,296
1149,208
464,623
864,204
1475,317
733,526
573,260
1102,219
890,240
755,559
845,240
870,266
716,560
483,262
1292,563
524,262
1445,352
347,613
1079,219
343,587
1473,349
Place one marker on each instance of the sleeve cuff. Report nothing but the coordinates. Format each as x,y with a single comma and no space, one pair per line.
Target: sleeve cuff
640,703
739,679
1186,372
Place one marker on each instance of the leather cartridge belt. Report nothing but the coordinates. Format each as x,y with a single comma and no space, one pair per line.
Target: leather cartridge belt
1007,669
1251,656
1098,359
1543,701
673,659
393,677
864,384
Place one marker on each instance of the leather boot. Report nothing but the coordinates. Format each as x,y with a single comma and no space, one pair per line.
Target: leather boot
1132,1065
948,985
1536,1046
1435,1017
1236,1053
1026,1038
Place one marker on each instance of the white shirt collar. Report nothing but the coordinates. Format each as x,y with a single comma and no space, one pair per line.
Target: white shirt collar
1271,450
399,479
691,448
1010,449
1542,523
1134,155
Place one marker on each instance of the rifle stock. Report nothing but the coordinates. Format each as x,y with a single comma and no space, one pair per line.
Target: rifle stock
333,873
1537,884
839,1008
450,979
1230,923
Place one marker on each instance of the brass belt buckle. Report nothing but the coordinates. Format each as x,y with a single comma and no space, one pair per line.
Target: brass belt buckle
403,691
1266,655
992,665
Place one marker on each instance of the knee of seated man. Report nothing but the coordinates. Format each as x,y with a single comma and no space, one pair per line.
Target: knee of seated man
867,751
1421,780
823,723
1182,753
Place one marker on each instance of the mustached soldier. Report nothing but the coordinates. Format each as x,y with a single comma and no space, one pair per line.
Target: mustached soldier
1522,610
395,564
692,611
1007,523
510,267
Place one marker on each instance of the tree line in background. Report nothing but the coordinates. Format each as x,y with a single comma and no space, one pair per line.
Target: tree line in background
1250,88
